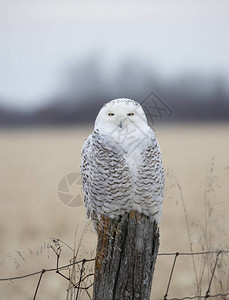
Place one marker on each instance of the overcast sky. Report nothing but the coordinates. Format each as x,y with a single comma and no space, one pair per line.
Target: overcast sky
39,38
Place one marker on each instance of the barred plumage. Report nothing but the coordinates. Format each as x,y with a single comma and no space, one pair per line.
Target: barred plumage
121,164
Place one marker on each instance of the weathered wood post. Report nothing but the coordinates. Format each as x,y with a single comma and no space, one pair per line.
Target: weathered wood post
126,254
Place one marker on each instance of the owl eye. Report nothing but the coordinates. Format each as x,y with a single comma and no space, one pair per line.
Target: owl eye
110,114
130,114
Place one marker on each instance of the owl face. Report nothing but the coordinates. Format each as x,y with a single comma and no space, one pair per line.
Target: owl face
120,114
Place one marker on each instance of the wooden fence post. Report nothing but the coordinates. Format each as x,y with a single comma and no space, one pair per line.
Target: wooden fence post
126,254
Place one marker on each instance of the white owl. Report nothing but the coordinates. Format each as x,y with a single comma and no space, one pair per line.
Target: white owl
121,165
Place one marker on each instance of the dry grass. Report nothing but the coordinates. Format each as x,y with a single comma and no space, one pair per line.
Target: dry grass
33,162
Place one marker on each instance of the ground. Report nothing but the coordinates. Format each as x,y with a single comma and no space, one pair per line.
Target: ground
32,163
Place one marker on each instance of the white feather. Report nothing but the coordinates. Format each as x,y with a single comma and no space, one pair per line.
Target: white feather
121,164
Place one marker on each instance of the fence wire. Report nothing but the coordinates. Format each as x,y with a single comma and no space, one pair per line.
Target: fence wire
81,263
207,294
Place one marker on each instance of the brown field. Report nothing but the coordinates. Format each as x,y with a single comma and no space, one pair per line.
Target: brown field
31,166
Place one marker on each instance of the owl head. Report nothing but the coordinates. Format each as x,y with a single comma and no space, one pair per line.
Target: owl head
121,114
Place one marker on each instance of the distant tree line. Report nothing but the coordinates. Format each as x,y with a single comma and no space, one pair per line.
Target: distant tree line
87,86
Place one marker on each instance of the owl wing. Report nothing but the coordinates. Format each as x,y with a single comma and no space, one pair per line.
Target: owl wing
105,177
149,185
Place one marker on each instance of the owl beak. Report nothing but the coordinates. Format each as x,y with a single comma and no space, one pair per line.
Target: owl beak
120,125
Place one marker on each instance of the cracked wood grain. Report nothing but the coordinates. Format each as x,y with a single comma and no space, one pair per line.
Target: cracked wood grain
126,255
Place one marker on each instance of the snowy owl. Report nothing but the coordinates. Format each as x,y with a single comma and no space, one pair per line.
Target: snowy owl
121,165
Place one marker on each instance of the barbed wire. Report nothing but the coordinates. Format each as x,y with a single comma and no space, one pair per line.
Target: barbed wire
82,262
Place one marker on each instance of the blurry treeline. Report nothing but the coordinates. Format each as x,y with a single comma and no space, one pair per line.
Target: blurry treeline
89,84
